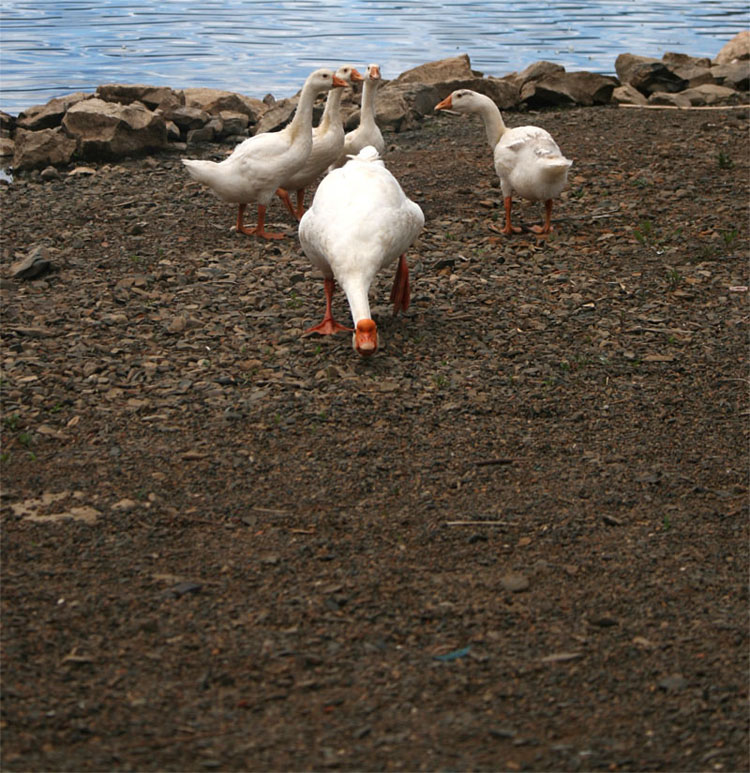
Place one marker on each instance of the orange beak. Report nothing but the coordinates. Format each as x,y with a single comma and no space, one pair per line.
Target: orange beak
374,72
356,76
337,82
366,337
446,104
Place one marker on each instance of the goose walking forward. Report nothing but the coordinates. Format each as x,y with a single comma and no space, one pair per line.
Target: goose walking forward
257,166
527,159
359,222
327,144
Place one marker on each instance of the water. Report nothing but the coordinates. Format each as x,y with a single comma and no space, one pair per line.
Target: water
52,47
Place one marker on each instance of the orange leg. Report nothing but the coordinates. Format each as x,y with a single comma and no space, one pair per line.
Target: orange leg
259,229
400,295
509,229
547,227
329,324
283,194
300,204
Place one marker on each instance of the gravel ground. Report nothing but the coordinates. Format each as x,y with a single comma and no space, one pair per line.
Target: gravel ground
514,539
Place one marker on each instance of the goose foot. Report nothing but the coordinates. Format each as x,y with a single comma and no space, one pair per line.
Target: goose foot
259,229
400,294
328,326
547,227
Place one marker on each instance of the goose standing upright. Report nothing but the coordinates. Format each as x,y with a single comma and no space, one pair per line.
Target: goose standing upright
368,132
327,143
255,168
360,221
527,159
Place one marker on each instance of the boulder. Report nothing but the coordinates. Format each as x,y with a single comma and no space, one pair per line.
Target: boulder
7,147
35,150
675,59
648,75
693,75
569,88
504,92
281,112
214,101
234,123
188,118
710,94
451,69
668,98
126,94
735,75
736,49
110,130
49,115
7,124
534,72
628,95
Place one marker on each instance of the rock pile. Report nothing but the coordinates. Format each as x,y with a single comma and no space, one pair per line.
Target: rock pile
127,120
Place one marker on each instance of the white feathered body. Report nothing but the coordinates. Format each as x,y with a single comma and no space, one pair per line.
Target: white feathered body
529,163
255,168
360,221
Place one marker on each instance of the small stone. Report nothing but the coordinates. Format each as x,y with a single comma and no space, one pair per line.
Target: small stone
32,266
514,582
49,173
673,683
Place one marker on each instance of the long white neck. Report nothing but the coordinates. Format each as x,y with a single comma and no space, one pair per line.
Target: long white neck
367,113
494,125
302,121
332,112
356,289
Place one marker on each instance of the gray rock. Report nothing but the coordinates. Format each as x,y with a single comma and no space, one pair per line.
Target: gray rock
214,101
126,94
569,88
647,75
535,72
49,115
188,118
450,69
110,130
669,99
675,59
710,94
234,122
736,49
628,95
735,75
32,266
7,147
37,149
203,134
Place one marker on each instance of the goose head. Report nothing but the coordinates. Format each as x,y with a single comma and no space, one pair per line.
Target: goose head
462,101
372,73
349,74
365,339
324,80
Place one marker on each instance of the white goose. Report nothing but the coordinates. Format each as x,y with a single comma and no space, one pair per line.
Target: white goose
360,221
327,143
257,165
527,159
368,132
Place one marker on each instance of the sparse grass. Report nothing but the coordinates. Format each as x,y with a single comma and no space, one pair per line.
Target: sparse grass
674,278
724,160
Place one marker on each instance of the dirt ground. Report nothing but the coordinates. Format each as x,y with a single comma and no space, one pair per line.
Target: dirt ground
514,539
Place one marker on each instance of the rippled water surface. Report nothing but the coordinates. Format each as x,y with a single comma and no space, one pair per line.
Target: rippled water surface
51,48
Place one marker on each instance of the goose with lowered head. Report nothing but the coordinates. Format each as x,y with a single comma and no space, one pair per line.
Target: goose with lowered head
327,143
359,222
527,159
257,166
368,132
